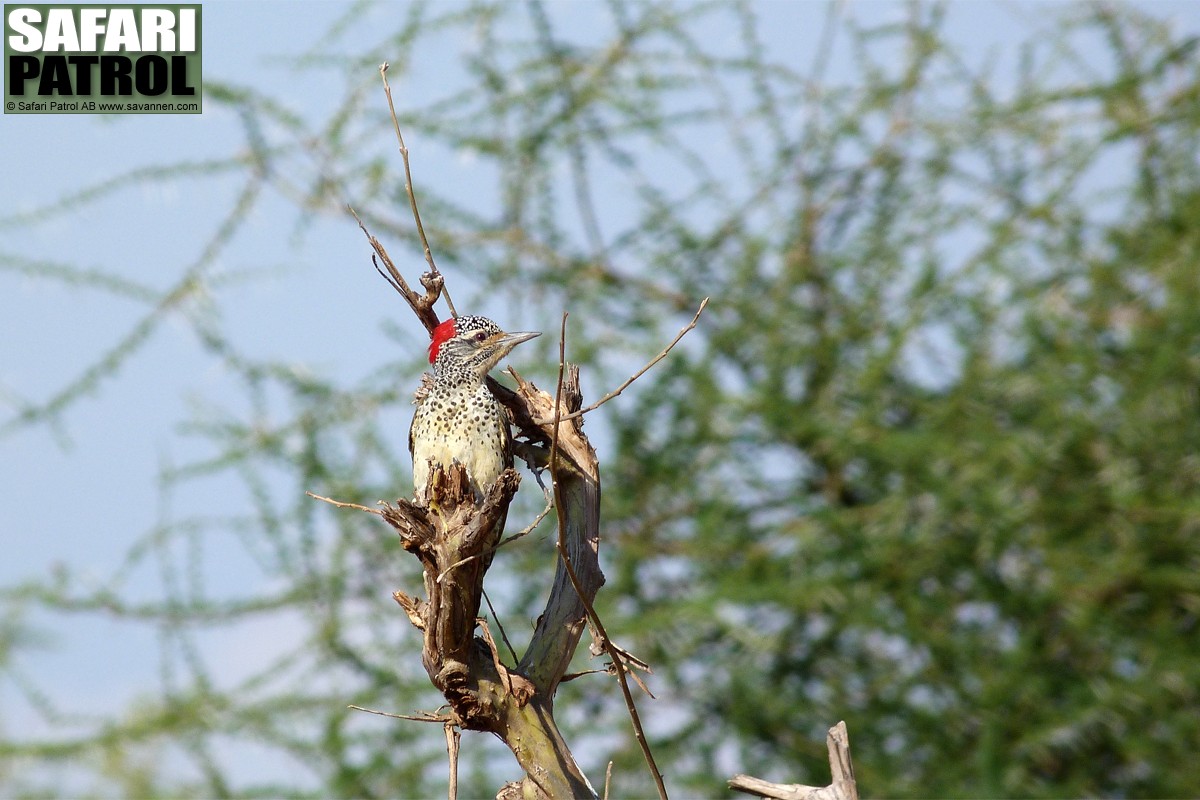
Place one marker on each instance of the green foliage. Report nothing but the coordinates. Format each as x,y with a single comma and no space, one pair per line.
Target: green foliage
929,464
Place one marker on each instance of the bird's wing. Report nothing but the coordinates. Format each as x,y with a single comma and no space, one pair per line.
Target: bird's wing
420,394
506,439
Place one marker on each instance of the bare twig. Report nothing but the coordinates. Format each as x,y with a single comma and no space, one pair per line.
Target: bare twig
641,684
503,635
422,306
570,676
639,733
633,663
637,374
607,779
528,529
453,735
425,716
408,186
628,659
843,787
340,504
558,418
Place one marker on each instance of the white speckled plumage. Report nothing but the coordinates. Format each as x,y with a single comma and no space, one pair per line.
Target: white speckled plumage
457,417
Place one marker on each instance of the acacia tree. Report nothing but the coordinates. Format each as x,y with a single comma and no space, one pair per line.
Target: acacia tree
928,466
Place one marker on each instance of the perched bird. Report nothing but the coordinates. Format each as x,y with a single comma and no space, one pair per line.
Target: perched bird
457,417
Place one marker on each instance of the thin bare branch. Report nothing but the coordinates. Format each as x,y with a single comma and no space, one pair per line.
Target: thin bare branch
408,185
637,374
634,717
563,553
558,418
843,787
453,735
636,678
424,716
570,676
499,625
434,285
340,504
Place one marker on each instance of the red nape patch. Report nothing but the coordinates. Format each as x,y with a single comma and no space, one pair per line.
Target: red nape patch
440,334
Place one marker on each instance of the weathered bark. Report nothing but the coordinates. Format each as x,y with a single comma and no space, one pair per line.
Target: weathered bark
454,538
576,474
843,786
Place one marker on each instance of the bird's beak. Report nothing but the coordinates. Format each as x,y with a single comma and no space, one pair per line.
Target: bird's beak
510,340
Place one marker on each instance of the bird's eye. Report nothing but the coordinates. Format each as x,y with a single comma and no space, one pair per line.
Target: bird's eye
479,337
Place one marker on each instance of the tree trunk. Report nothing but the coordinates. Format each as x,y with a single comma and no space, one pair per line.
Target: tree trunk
454,540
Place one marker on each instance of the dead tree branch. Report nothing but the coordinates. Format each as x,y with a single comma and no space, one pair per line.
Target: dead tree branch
340,504
586,599
424,716
662,354
422,305
453,735
408,188
843,786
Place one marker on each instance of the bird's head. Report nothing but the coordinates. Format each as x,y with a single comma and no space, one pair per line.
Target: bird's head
471,345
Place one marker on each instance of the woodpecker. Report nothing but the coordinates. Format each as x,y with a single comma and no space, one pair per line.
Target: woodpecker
457,417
